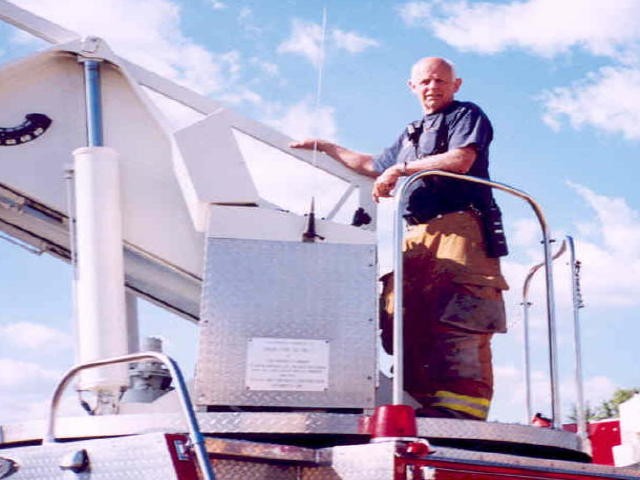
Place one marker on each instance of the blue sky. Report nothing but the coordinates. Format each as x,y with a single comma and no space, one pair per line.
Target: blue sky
560,81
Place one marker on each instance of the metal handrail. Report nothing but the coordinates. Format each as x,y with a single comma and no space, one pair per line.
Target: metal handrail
398,380
525,309
181,387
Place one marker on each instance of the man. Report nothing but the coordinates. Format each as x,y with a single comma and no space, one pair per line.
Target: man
452,286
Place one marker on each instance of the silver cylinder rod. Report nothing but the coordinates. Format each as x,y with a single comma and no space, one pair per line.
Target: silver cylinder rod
527,362
400,202
581,421
93,96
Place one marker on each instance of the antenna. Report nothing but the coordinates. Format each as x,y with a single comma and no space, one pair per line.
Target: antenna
310,234
320,74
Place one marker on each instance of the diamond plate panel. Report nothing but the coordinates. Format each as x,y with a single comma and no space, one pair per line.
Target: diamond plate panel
286,422
350,462
370,461
234,470
505,432
289,290
575,468
143,457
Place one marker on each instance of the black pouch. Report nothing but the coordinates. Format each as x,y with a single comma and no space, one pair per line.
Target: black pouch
494,238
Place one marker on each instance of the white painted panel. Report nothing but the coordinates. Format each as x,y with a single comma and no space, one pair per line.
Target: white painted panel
156,216
266,224
51,84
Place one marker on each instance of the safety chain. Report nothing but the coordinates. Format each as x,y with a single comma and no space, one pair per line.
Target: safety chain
579,302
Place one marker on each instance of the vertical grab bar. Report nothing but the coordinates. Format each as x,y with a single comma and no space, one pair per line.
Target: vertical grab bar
398,328
581,419
174,370
525,305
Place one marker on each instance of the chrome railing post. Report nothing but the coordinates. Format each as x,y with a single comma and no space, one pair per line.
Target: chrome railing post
527,361
398,295
526,305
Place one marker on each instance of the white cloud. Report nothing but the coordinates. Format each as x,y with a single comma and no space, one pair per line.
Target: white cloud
599,389
617,243
525,233
510,396
608,239
16,374
545,27
352,42
217,5
271,69
34,336
152,37
302,120
620,224
22,407
241,95
509,403
247,22
414,13
306,40
595,101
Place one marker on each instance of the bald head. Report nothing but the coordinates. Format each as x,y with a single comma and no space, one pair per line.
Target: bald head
433,80
433,62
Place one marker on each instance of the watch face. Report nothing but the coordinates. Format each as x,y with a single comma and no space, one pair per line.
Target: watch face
34,125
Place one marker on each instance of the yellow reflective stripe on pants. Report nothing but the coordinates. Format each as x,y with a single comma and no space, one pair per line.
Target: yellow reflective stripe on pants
475,406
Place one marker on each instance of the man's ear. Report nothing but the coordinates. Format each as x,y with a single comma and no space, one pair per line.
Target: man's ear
458,84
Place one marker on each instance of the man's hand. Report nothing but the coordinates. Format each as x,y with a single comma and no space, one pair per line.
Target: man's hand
360,162
386,182
309,144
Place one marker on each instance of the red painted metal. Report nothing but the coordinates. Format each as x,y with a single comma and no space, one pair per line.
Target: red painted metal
429,468
182,458
604,435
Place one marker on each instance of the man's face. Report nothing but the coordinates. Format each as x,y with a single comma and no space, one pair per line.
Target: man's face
433,82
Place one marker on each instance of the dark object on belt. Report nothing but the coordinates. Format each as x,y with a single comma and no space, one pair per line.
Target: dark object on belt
494,238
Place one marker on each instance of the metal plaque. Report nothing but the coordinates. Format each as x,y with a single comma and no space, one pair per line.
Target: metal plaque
287,364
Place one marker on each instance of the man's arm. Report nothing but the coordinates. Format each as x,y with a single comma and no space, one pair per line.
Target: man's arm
359,162
457,160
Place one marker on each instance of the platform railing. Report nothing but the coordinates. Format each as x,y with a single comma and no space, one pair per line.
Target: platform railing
398,327
526,305
195,434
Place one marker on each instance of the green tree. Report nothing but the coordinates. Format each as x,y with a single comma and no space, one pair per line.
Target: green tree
589,413
611,408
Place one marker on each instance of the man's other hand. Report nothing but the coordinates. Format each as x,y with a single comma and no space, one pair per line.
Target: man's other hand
386,182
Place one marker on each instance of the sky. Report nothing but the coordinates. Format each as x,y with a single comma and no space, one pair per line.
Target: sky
559,80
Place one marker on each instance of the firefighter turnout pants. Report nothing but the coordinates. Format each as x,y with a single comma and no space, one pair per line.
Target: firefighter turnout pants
452,307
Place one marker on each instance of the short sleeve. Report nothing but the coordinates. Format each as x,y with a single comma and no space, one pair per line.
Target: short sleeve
471,127
389,156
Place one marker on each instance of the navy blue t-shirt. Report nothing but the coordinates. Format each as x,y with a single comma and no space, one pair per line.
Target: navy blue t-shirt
460,124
